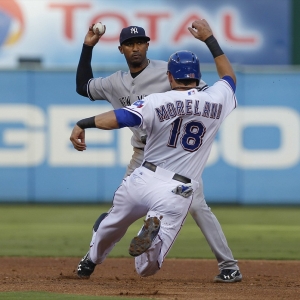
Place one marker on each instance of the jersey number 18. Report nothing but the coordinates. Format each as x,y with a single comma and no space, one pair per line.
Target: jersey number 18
191,138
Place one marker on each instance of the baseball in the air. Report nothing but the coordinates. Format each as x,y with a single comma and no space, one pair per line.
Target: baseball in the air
100,28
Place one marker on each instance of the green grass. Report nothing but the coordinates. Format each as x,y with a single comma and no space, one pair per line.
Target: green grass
65,230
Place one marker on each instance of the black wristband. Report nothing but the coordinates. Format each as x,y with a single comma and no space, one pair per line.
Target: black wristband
213,46
87,123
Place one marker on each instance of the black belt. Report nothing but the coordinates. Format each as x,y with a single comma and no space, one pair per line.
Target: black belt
140,148
176,176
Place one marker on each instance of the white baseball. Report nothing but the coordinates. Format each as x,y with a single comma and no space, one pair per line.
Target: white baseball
99,26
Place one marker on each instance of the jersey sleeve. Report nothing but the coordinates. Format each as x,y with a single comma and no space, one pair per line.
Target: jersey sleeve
100,88
142,110
229,79
127,118
223,92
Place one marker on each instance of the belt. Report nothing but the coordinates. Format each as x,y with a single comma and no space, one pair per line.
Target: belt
140,148
176,176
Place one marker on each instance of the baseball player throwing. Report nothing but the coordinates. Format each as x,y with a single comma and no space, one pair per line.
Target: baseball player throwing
180,125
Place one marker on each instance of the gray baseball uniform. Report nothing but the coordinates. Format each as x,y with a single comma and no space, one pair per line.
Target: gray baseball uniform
121,90
181,127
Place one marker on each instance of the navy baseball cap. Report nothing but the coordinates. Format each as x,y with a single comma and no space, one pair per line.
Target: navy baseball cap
132,32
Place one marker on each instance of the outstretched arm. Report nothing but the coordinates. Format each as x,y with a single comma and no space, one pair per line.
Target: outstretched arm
105,121
84,70
201,30
113,119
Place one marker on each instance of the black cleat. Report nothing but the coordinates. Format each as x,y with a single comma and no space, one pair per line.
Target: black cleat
143,241
85,267
229,275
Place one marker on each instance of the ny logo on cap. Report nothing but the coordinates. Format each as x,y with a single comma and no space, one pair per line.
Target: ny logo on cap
134,30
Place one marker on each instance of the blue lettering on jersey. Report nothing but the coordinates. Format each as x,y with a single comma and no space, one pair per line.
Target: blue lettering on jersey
162,113
196,109
188,107
171,110
180,108
206,110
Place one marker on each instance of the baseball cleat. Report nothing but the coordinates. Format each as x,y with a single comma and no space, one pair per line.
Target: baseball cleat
85,267
143,240
229,275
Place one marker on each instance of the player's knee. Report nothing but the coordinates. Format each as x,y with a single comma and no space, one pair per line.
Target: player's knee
198,205
147,269
150,261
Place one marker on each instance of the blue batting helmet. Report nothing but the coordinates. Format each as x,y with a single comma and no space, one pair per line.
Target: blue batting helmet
184,65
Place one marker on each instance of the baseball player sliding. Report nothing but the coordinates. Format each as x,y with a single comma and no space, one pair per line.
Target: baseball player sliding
124,88
180,125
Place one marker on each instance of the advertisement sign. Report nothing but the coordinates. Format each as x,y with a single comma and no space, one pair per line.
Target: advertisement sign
51,31
255,158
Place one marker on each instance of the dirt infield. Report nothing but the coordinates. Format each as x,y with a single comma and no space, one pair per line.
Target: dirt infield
178,279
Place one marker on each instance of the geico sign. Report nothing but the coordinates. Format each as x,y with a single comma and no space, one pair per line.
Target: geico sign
232,150
46,137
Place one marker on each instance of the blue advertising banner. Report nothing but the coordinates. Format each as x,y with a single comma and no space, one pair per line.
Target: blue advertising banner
251,32
254,160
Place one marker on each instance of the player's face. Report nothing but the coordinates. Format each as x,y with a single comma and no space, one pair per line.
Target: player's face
135,51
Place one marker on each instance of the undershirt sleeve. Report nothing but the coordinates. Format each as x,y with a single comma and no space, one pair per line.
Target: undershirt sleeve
230,81
84,70
126,118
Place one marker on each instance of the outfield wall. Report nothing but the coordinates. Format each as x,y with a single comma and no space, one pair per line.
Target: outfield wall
254,160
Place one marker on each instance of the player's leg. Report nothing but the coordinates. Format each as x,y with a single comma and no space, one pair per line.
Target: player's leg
212,230
98,221
135,162
171,209
150,262
125,210
123,213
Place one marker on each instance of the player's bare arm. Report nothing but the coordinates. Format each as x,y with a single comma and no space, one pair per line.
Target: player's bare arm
105,121
201,30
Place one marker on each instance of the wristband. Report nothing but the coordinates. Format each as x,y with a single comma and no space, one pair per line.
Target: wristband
213,46
87,123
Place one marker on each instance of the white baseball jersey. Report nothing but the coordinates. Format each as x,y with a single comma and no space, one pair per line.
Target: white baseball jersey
121,90
181,125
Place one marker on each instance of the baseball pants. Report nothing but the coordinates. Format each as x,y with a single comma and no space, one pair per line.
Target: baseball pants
143,193
203,216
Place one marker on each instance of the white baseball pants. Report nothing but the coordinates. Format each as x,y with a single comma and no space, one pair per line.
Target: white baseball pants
143,193
203,216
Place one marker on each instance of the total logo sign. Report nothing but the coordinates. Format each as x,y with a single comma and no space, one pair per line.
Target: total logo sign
11,22
44,137
15,14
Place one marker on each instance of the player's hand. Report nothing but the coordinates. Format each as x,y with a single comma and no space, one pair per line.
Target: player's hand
78,138
200,30
91,38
